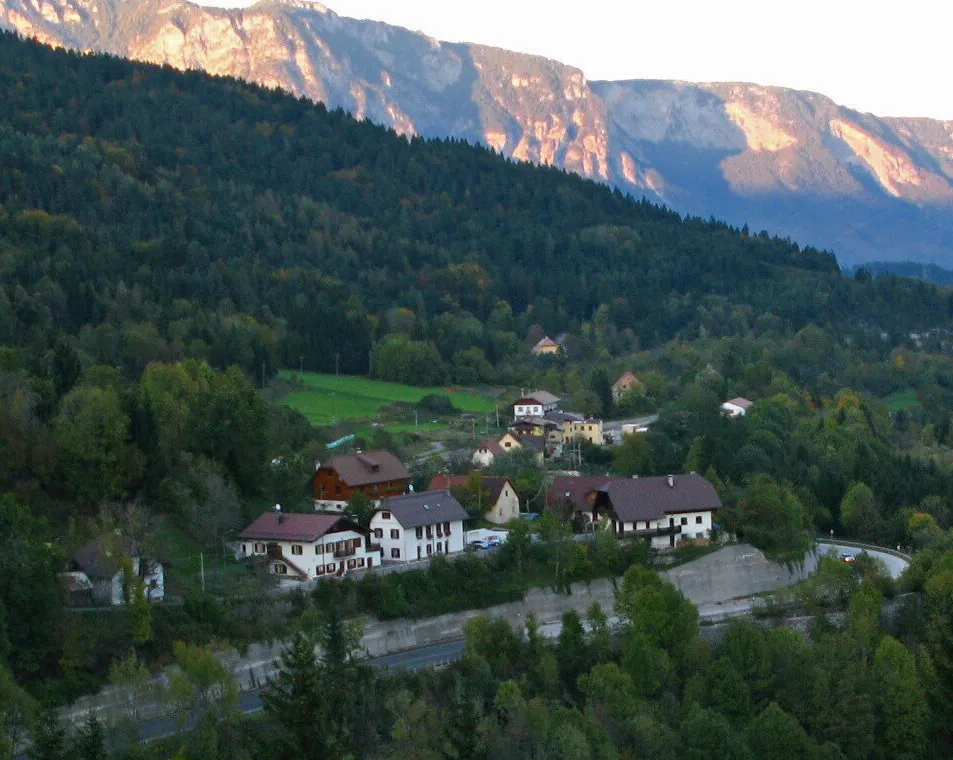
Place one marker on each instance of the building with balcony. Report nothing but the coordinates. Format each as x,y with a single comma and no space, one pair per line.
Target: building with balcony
665,510
419,525
378,474
305,546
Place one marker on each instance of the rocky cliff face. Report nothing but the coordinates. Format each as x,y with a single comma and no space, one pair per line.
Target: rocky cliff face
794,163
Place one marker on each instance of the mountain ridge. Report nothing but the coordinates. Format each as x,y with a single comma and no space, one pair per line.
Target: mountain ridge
790,161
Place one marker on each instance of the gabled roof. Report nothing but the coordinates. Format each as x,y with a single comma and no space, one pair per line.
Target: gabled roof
651,498
100,557
559,416
492,446
367,468
626,381
493,484
424,508
740,402
532,442
292,526
576,488
546,342
540,397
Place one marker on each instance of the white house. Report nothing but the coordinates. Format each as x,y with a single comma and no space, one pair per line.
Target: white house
100,563
535,404
736,407
666,510
486,452
503,503
419,525
304,546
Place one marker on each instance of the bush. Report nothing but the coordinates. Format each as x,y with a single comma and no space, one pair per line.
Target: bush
437,403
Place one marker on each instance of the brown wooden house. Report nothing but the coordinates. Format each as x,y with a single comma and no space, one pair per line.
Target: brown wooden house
379,474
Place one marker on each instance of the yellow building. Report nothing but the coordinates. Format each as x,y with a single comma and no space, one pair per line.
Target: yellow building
586,430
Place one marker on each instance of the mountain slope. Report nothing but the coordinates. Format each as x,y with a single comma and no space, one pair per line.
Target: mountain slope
792,162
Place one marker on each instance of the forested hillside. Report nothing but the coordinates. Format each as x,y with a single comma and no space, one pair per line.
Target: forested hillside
150,214
168,241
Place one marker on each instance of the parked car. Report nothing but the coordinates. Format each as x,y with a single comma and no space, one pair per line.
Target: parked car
493,541
847,557
477,544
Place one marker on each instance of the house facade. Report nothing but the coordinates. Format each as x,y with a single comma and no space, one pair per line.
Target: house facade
589,429
96,568
535,404
504,504
378,474
306,546
485,454
665,510
419,525
736,407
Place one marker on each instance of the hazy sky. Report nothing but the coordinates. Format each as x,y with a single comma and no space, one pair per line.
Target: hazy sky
890,59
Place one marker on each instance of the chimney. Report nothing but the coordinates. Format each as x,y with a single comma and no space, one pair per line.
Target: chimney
317,465
281,517
671,481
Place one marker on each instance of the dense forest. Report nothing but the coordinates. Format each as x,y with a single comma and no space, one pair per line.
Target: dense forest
169,241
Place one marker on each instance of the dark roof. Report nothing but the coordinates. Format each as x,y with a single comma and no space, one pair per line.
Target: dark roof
650,498
424,508
532,442
292,526
492,446
740,402
100,557
367,468
493,484
555,415
540,397
578,487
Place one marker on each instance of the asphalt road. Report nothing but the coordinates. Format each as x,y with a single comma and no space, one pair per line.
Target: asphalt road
895,565
249,702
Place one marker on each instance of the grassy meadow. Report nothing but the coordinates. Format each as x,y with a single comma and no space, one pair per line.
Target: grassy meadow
327,399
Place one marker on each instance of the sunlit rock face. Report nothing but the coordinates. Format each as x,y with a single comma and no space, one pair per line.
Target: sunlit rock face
794,163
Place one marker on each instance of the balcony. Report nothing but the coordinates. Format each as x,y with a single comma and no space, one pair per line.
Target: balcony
339,553
665,530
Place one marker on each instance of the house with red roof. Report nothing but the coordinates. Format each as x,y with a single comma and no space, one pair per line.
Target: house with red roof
486,452
736,407
305,546
503,503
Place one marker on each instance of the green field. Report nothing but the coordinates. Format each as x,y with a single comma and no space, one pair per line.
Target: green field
326,399
907,399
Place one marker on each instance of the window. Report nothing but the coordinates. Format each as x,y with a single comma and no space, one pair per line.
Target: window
394,533
418,552
699,535
357,543
385,515
297,549
430,531
439,530
259,548
698,520
378,533
330,567
319,570
420,532
351,564
360,562
446,529
395,553
684,521
281,568
337,490
318,549
244,548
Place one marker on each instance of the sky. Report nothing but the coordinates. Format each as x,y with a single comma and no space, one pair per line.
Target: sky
888,59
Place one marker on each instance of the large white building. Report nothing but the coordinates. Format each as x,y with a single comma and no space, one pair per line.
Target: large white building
419,525
304,546
535,404
666,510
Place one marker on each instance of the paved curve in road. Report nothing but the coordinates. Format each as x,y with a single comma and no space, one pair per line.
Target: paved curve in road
895,563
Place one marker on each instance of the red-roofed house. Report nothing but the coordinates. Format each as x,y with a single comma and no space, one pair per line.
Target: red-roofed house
305,546
379,474
624,384
504,503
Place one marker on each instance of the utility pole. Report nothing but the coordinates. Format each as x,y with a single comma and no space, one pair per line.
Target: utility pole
301,364
262,374
370,363
202,569
415,422
337,362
